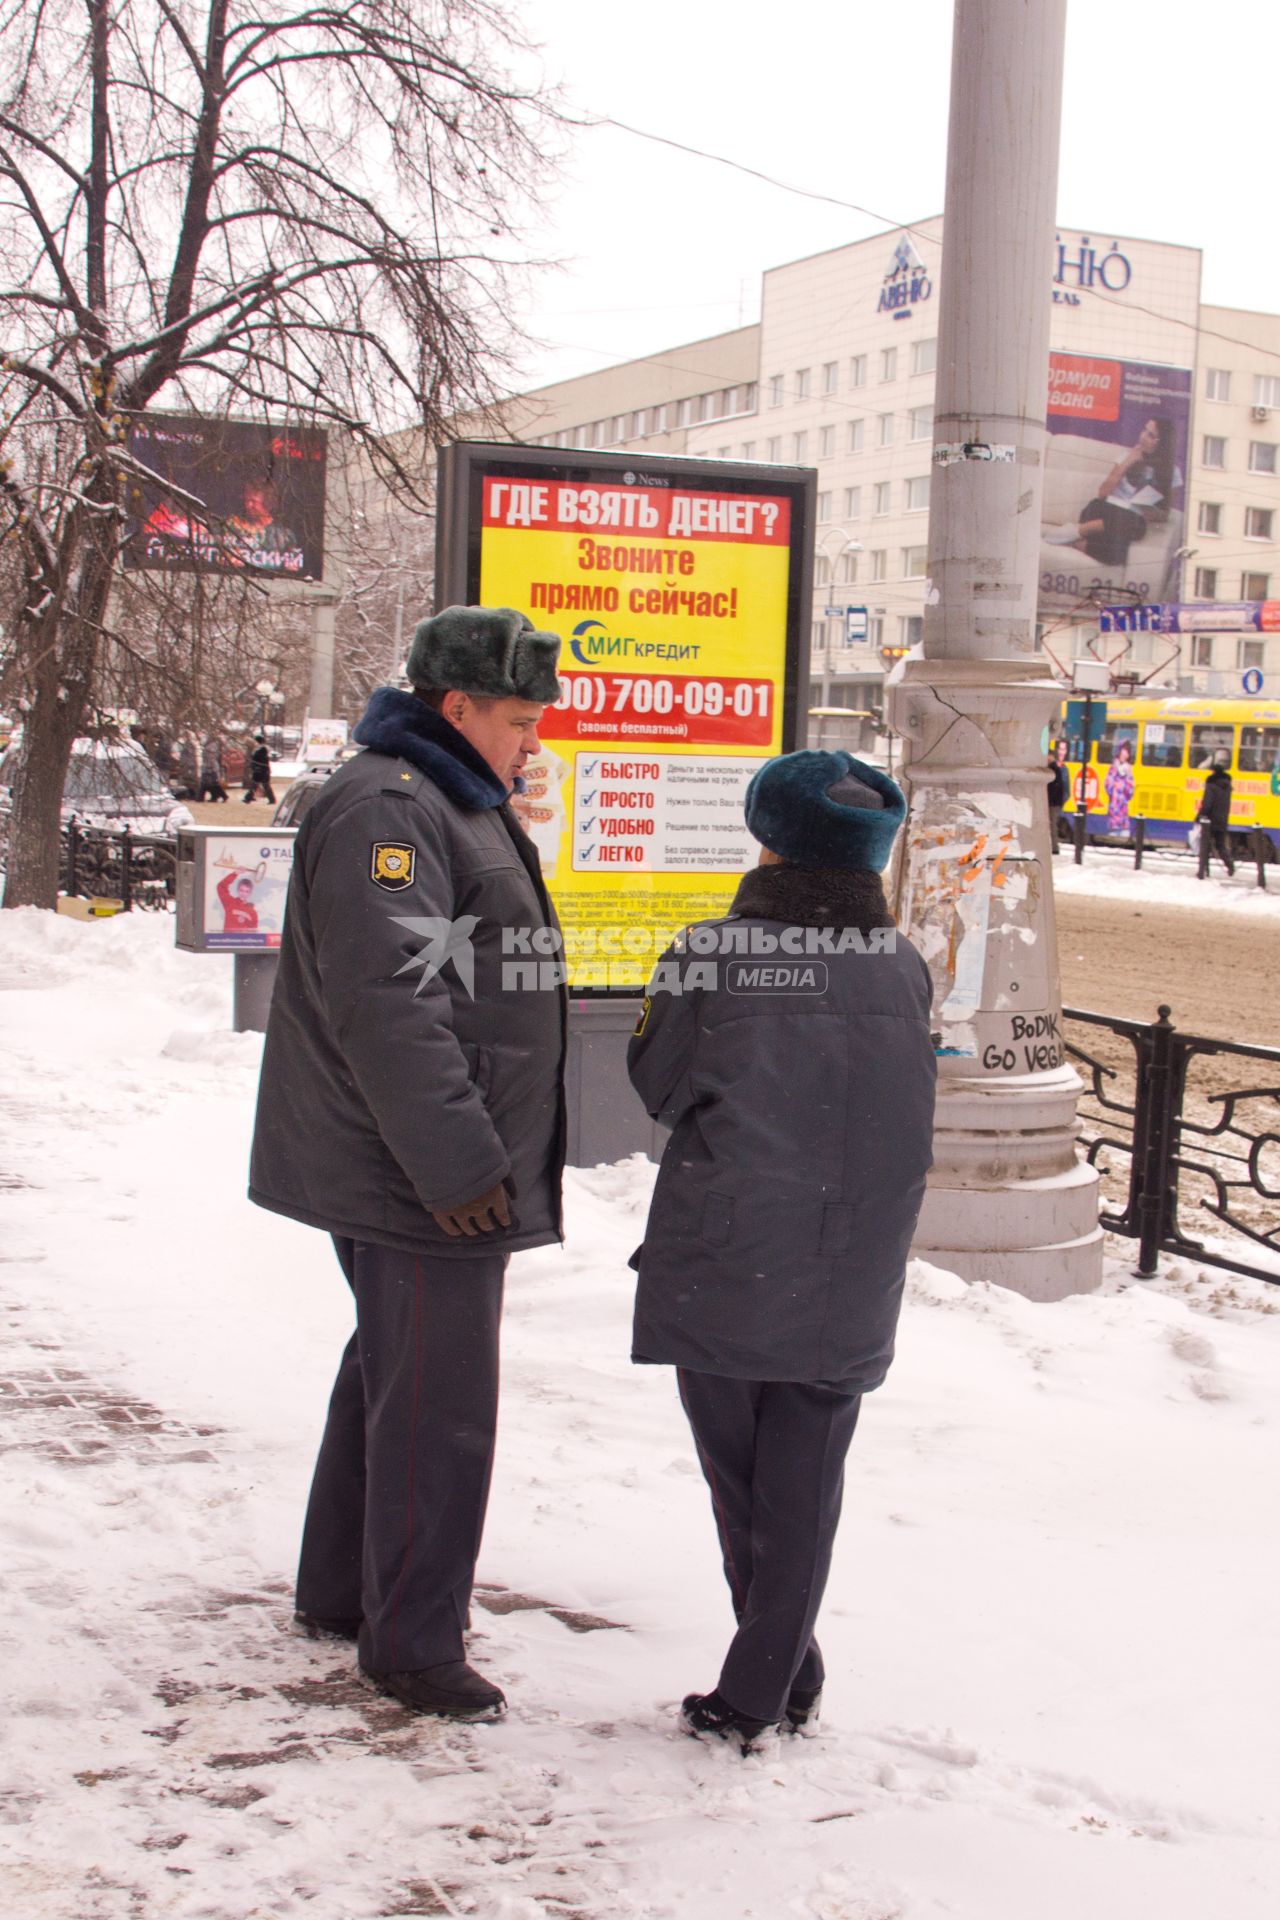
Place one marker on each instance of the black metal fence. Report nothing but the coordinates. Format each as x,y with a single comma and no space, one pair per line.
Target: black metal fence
1252,845
137,869
1177,1123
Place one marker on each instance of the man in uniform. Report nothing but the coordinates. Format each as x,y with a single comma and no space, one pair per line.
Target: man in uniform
411,1105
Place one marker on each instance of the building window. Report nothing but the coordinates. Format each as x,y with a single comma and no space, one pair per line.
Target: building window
1266,389
921,427
915,560
1210,520
1255,586
1262,456
1258,522
848,567
1217,383
885,435
818,635
1213,450
749,397
879,563
821,564
888,363
831,376
1250,653
773,447
826,442
640,423
852,502
1206,583
1202,649
802,384
924,356
918,494
684,413
858,370
881,497
855,436
748,449
824,506
799,448
724,453
910,629
661,419
728,402
777,389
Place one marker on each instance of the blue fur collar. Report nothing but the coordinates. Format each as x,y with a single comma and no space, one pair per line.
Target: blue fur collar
399,724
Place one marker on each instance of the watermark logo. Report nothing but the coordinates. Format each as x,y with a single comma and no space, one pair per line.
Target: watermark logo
445,940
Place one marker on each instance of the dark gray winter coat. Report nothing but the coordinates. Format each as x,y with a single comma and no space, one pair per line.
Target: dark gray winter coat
385,1094
778,1236
1215,801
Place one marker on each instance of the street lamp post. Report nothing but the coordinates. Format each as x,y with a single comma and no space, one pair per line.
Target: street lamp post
1008,1200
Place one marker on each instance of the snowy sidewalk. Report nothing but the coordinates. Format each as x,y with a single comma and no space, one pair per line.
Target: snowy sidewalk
1050,1627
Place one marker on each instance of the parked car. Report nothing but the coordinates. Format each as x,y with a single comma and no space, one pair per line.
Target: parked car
110,785
294,804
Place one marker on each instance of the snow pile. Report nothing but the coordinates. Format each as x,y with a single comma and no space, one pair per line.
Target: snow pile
1050,1628
1167,879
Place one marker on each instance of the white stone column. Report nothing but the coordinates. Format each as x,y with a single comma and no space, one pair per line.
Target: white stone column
1008,1201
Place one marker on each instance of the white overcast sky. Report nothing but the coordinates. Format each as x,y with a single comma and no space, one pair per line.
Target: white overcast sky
1169,119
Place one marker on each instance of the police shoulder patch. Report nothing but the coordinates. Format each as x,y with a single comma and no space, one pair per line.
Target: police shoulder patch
391,865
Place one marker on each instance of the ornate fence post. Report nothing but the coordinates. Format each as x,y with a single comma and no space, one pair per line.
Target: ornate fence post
1155,1128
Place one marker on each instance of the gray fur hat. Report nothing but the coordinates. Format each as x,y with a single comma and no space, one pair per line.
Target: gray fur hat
485,650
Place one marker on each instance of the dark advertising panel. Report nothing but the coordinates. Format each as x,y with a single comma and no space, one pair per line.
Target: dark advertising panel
226,496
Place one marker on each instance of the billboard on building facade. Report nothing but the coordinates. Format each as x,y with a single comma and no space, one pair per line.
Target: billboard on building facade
226,496
1115,488
677,589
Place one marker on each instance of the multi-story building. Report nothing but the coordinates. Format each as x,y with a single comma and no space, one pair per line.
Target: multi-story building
839,375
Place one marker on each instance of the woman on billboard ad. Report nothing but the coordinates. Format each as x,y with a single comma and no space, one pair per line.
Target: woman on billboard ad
1136,494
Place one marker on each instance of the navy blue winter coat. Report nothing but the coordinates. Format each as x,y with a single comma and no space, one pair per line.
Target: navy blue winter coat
802,1117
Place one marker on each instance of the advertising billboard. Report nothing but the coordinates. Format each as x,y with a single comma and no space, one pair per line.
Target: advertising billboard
231,888
676,587
226,496
1114,517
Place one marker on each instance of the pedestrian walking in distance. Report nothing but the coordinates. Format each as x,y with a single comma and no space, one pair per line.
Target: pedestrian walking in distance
258,772
1214,820
801,1101
1057,800
411,1105
211,787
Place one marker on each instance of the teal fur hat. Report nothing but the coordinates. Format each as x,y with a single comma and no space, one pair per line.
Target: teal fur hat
485,650
817,809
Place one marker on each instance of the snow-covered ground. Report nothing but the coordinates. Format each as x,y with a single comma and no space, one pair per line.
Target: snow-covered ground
1051,1627
1167,879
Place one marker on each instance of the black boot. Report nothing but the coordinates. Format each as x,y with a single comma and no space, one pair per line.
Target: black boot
804,1706
316,1628
710,1713
454,1689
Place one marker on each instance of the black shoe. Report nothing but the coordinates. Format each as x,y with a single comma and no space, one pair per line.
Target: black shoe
453,1689
317,1628
804,1707
703,1713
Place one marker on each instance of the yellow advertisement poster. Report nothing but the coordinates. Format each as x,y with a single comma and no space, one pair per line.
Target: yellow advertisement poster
671,604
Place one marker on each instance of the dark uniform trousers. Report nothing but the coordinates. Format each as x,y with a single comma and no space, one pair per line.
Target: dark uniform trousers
398,1500
773,1455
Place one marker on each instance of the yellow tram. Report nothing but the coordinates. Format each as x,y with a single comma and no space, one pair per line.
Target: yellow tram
1151,760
